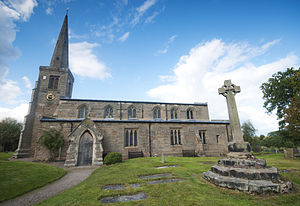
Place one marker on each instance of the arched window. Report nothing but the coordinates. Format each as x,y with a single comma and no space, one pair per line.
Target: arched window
131,112
108,112
189,114
156,113
82,111
175,137
173,113
131,138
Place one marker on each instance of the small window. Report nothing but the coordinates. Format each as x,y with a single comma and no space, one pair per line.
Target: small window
189,114
173,113
202,136
217,138
175,137
131,138
156,113
82,111
53,82
108,112
131,112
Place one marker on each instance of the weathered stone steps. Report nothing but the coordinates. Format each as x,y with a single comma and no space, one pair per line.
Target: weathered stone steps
252,186
250,163
246,173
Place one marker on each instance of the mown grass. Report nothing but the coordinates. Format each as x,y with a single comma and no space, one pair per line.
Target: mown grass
193,191
17,177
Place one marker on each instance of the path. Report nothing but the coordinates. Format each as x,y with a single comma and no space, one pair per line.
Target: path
72,178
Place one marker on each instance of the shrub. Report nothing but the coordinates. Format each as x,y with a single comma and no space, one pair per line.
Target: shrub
112,158
52,140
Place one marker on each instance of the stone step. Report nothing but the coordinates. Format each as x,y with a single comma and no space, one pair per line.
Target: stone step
247,173
252,186
248,163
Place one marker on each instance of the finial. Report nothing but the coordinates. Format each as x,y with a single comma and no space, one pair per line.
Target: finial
67,11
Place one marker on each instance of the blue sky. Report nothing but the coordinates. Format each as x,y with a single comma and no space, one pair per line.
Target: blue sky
155,50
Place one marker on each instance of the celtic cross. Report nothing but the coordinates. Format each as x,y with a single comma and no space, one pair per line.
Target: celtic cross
229,90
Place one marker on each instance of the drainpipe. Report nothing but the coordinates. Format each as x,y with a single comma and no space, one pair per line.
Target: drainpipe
150,146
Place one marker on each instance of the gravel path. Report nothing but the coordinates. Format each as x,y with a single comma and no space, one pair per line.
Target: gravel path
72,178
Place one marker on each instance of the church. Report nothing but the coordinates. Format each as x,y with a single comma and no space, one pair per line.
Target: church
93,128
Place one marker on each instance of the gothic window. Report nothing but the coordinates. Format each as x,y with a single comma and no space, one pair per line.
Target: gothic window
217,138
108,112
131,112
202,136
53,82
189,114
175,137
173,113
156,113
82,111
69,88
131,138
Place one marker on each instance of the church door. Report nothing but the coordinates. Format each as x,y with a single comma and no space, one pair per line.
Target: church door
85,150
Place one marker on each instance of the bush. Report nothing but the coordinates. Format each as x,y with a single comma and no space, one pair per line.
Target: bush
112,158
52,140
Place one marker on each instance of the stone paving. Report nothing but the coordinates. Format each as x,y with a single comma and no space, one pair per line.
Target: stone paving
141,195
124,198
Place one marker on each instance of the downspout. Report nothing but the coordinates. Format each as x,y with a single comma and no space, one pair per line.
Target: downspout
150,146
166,112
120,110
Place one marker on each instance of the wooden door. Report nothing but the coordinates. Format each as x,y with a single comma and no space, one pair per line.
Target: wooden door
85,150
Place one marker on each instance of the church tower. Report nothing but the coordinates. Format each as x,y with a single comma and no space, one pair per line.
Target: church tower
54,82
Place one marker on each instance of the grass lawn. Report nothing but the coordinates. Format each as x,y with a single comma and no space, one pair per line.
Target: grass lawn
17,177
193,191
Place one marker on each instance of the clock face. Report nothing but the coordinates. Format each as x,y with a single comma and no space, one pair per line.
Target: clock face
50,97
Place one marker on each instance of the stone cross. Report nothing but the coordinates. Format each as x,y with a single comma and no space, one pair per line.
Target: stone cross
229,90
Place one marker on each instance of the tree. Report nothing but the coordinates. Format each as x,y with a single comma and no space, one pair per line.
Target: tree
279,92
249,135
10,131
282,93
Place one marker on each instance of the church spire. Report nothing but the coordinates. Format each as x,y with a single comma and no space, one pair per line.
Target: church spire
60,57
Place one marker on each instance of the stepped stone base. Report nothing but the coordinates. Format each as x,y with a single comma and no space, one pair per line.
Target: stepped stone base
247,174
252,186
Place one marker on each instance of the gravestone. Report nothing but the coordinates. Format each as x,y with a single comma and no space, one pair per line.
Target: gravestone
241,170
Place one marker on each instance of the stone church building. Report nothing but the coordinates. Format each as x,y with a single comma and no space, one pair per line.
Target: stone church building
92,128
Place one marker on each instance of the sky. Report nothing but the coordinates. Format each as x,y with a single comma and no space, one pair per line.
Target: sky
152,50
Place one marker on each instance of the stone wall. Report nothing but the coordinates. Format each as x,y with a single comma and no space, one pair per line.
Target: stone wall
153,138
68,109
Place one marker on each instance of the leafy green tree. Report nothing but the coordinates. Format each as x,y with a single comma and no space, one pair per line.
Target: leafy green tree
10,131
280,90
249,135
282,93
53,140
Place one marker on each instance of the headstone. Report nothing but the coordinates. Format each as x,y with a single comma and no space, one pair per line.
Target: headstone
162,158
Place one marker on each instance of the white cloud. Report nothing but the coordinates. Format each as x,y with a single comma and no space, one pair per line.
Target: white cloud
20,8
141,10
198,75
27,82
167,45
10,12
9,91
84,63
124,37
49,11
17,113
